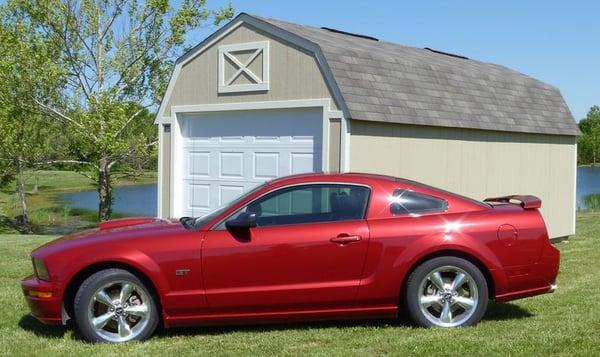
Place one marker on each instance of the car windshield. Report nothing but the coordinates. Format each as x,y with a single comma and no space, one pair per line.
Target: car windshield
199,222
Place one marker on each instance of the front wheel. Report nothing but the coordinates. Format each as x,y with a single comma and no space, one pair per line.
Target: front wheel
114,305
446,292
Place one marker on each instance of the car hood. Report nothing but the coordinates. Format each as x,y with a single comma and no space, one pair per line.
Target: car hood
114,230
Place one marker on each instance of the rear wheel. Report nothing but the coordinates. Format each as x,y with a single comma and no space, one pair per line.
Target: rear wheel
446,292
114,305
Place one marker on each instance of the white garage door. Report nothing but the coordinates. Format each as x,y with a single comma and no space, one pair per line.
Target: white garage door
226,154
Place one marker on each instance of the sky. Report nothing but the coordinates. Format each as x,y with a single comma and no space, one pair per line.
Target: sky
557,42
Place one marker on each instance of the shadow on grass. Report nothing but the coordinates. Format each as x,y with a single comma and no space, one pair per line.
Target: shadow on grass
272,327
495,312
29,323
505,311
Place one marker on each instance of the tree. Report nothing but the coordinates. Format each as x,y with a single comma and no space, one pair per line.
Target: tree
116,56
589,143
27,66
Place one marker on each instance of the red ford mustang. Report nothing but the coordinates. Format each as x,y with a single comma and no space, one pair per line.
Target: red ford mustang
314,246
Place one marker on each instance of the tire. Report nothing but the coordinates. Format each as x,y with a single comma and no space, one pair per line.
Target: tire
431,299
101,316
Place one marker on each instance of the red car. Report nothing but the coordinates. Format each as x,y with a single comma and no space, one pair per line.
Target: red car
314,246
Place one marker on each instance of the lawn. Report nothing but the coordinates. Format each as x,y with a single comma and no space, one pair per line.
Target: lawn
46,208
564,323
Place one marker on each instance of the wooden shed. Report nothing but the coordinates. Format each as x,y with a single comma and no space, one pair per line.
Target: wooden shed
262,98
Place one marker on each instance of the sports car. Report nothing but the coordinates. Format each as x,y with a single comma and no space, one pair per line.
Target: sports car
304,247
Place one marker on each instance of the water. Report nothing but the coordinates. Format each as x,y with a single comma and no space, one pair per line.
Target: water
134,200
140,200
588,182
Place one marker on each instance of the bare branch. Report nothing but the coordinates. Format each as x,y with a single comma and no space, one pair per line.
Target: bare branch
63,117
85,175
65,162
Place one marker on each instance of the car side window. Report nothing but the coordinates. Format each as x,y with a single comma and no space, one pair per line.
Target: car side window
404,201
309,204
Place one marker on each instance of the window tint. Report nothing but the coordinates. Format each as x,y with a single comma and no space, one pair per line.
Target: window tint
413,202
310,204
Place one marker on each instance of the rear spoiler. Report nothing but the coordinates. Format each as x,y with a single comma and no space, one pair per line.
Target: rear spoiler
525,201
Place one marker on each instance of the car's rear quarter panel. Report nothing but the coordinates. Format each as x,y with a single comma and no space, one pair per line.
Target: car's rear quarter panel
513,263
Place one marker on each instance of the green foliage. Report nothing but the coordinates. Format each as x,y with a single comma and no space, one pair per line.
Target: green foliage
588,144
112,59
27,69
592,202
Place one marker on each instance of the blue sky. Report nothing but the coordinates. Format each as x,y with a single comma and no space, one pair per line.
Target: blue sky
555,41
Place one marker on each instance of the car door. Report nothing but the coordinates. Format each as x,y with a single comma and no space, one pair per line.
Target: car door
306,251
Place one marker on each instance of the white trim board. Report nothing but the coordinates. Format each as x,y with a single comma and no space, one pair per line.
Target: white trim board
159,183
575,191
225,85
176,137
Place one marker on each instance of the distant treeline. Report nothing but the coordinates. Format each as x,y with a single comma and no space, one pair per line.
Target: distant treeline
588,144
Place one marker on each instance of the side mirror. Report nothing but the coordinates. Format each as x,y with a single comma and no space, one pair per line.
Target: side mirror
242,222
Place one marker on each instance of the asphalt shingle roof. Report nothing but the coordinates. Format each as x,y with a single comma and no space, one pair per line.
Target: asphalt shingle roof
387,82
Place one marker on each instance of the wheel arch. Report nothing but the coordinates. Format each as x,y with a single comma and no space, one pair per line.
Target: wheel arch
489,278
79,277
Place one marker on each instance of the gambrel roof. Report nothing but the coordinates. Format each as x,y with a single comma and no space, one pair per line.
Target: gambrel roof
386,82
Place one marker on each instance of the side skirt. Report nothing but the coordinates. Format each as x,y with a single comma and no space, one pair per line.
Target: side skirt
374,312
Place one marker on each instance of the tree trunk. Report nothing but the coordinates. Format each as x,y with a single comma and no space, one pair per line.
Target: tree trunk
104,191
23,220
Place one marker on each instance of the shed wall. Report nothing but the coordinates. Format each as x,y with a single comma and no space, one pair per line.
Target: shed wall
294,74
475,163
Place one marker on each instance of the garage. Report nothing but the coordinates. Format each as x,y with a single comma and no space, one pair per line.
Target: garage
262,98
226,154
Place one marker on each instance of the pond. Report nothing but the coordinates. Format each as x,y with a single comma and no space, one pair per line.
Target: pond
134,200
588,183
140,200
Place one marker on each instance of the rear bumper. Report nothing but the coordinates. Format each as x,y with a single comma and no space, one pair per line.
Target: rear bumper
541,278
48,310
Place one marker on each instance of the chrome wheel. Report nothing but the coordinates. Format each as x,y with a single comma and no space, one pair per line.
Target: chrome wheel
448,296
119,311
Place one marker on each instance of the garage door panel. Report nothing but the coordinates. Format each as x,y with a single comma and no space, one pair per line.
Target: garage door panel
232,164
301,162
269,139
199,196
257,123
266,165
232,139
199,163
228,193
227,154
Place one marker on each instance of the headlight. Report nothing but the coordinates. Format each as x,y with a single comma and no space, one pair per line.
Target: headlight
40,270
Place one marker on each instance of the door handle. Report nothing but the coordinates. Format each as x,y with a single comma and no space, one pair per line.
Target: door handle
345,239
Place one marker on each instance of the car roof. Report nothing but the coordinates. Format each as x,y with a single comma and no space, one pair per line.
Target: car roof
369,179
332,175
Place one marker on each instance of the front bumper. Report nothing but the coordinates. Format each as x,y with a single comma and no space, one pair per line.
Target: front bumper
47,307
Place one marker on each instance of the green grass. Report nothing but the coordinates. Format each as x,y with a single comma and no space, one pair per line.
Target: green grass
564,323
45,207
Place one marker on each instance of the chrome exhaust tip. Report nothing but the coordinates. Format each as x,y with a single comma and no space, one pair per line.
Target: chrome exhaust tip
553,288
